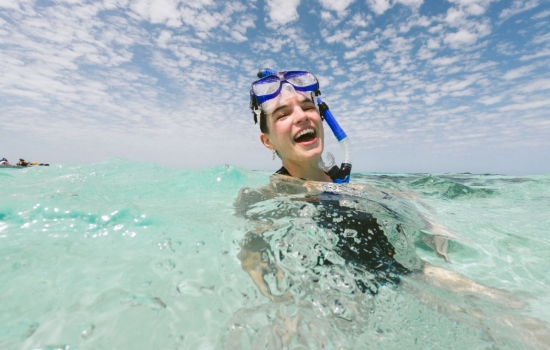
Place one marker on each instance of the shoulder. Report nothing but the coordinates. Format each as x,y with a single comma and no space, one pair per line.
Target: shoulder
282,171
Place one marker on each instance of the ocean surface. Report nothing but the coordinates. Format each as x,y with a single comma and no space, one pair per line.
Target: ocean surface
128,255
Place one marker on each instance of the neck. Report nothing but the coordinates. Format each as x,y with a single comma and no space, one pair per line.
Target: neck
308,171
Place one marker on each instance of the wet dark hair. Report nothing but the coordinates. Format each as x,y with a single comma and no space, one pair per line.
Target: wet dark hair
263,123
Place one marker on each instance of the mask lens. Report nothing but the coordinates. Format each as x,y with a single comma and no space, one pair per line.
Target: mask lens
300,79
266,86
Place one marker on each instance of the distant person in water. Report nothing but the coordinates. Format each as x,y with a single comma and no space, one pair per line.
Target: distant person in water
22,162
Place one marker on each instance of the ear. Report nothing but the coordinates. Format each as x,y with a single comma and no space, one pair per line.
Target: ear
266,141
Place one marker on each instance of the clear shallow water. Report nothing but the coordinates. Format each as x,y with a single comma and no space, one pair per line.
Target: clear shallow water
121,255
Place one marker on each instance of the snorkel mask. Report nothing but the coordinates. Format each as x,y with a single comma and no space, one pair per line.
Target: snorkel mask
270,85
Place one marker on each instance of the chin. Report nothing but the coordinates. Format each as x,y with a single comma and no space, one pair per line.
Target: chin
313,153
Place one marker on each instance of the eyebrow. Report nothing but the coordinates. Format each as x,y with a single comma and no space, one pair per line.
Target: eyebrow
302,103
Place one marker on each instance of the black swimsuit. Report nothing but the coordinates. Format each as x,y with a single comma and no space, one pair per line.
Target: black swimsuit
362,242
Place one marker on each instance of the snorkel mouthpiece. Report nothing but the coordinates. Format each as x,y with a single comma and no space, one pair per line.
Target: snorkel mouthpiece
342,174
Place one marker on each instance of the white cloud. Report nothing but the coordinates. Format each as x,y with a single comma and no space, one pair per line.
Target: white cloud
460,38
338,37
539,39
10,4
518,72
368,46
445,61
282,12
360,20
163,38
541,15
425,54
524,106
433,43
454,16
160,11
541,53
490,100
339,6
518,6
431,99
535,86
411,3
272,45
415,21
379,6
456,85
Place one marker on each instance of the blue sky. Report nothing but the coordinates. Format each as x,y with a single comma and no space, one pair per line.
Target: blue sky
419,86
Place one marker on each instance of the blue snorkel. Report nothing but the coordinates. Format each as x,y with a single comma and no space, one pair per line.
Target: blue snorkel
340,174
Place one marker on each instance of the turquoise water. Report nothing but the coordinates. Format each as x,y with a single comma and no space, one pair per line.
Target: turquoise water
121,255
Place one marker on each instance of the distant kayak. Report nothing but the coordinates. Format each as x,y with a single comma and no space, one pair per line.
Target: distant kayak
21,167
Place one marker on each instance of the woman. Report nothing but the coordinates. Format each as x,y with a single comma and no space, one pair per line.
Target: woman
292,127
309,231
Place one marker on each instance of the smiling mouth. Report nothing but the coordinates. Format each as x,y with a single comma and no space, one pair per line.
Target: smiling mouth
305,136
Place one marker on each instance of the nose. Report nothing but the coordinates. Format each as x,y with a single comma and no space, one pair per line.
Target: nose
299,114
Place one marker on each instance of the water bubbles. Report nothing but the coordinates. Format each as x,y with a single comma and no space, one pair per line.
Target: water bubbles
307,211
86,330
193,288
350,233
130,234
155,303
167,265
166,245
339,309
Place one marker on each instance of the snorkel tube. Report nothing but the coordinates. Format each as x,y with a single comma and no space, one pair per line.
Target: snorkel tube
340,174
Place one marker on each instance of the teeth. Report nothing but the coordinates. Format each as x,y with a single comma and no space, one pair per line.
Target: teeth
303,132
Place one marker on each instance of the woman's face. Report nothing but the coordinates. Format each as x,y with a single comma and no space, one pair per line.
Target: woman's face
295,127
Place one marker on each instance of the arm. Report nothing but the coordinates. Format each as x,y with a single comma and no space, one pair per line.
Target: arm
255,251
